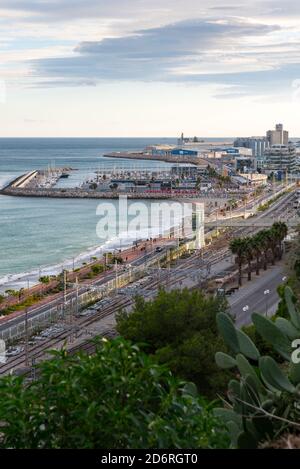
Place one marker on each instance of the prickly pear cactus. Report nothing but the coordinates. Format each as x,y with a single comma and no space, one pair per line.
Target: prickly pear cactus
264,400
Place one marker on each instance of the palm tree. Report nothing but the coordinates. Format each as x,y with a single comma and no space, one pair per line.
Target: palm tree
238,247
281,231
273,242
250,253
257,249
265,243
249,250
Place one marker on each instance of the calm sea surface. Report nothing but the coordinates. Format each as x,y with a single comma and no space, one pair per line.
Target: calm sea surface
37,233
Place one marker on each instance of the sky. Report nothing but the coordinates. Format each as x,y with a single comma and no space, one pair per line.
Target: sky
142,68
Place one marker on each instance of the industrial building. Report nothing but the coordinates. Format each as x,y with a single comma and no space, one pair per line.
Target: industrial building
278,136
256,144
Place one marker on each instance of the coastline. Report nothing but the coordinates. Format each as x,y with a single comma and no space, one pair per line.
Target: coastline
121,242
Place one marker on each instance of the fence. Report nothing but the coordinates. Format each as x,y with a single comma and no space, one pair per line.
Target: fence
37,321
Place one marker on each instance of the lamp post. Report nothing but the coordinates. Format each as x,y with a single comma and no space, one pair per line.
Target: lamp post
116,280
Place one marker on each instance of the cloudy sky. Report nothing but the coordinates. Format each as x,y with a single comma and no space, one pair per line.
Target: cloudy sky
148,67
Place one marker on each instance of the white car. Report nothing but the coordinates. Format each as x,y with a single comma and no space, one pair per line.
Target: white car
13,351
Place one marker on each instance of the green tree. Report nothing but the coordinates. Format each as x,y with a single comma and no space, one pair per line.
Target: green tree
238,247
97,269
257,250
116,398
265,244
179,329
249,252
44,279
280,231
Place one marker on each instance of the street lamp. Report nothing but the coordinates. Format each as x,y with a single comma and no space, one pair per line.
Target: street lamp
266,293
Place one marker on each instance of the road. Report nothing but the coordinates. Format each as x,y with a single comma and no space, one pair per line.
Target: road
252,297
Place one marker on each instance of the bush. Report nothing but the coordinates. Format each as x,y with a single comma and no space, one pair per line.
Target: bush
45,279
179,329
97,269
116,259
117,398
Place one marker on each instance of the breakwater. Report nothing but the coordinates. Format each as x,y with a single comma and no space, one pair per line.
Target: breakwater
69,193
19,188
181,159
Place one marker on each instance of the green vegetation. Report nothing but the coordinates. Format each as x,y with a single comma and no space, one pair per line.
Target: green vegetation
264,400
258,248
45,279
179,330
116,259
265,206
232,204
117,398
11,292
26,303
97,269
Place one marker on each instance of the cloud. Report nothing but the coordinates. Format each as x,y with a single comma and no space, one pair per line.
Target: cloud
174,52
86,42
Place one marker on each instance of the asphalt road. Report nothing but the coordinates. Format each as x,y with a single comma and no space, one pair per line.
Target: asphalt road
252,297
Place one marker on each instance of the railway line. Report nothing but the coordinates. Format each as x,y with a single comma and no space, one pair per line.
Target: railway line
169,277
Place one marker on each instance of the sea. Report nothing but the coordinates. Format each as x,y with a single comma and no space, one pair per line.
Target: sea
42,236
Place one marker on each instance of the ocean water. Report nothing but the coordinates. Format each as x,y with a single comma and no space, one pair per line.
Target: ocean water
39,236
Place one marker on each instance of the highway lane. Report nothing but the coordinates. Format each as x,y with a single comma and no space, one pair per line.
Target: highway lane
252,297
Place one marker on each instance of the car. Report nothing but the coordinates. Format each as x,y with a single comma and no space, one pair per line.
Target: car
88,312
13,351
158,249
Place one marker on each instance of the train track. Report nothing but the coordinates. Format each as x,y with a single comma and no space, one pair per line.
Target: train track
180,272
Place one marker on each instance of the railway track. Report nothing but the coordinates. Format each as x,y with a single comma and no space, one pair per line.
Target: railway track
180,272
41,349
